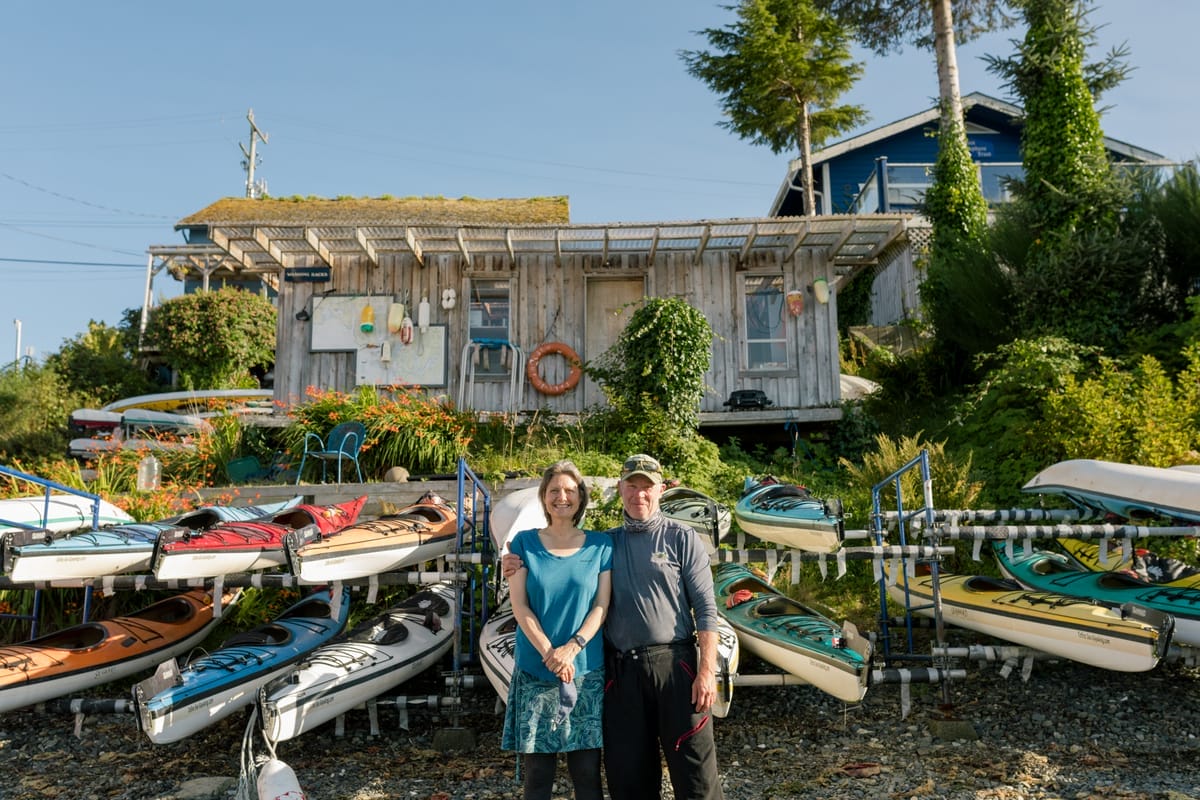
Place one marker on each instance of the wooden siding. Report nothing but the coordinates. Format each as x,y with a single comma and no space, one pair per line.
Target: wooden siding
547,304
896,289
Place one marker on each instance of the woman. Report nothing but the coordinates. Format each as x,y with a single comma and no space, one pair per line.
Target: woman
559,598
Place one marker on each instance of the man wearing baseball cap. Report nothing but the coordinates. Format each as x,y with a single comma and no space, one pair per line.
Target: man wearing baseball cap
659,686
660,691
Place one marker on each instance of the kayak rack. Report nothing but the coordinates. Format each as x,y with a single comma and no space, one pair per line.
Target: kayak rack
48,487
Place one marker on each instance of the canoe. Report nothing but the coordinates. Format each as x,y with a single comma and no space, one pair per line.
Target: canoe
788,515
178,701
794,637
1054,572
710,519
194,401
376,656
498,643
245,546
1149,566
1129,491
416,533
93,653
65,512
36,556
516,511
1085,631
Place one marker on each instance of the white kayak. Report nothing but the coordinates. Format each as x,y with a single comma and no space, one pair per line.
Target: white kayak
498,644
1130,491
63,512
375,657
515,512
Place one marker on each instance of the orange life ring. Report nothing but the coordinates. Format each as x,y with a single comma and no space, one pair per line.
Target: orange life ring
547,348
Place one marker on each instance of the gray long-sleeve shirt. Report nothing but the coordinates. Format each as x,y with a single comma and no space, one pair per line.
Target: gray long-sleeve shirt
660,578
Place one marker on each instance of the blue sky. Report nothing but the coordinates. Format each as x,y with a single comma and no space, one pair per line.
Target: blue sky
121,118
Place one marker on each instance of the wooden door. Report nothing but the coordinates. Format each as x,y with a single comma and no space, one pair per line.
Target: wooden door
610,302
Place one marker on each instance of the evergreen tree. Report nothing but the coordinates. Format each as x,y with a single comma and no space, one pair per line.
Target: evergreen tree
780,69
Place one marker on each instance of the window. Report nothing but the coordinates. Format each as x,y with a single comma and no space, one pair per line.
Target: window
489,325
766,336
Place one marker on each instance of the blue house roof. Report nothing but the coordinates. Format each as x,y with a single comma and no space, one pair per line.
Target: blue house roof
886,169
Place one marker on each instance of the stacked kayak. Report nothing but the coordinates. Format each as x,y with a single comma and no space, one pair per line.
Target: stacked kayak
516,511
792,636
788,515
1128,640
1145,564
416,533
59,512
245,546
375,657
93,653
710,519
1055,572
129,547
498,644
1130,491
177,702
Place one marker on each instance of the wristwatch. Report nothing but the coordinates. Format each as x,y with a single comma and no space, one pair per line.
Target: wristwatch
579,640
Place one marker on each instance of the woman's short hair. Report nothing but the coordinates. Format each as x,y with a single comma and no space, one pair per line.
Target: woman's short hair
569,469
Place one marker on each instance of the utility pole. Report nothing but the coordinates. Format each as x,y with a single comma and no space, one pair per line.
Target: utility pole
253,189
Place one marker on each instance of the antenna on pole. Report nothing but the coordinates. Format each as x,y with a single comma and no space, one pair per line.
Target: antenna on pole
254,189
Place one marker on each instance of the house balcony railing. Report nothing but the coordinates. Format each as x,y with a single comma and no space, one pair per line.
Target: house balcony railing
901,187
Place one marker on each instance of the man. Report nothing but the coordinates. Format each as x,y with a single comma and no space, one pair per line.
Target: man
659,690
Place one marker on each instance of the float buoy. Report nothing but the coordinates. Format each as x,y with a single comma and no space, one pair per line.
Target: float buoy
553,389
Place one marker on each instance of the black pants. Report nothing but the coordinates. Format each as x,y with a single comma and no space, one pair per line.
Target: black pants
583,765
648,706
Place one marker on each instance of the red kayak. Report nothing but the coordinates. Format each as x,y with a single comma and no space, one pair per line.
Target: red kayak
246,546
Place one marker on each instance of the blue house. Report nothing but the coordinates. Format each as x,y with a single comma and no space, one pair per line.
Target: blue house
888,169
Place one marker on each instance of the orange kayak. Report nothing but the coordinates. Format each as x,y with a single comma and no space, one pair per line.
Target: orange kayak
416,533
102,651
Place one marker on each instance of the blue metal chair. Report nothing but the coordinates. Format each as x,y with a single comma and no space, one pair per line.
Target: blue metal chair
342,443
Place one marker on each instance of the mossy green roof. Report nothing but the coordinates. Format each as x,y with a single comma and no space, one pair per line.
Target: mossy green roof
318,211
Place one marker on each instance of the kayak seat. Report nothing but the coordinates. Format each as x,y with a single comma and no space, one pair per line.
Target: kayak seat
985,583
392,634
265,634
175,609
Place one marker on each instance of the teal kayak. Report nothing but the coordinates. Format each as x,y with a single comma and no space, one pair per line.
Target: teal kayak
1054,572
788,515
793,636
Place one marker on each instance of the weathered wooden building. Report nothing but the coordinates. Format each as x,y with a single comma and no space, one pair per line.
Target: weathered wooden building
455,296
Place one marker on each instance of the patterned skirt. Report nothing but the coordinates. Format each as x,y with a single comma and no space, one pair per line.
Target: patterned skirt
536,719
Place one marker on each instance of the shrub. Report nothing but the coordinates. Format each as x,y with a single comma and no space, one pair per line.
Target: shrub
214,339
406,429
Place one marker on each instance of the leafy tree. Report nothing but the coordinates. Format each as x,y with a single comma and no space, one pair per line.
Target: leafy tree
780,69
35,403
99,363
215,338
653,376
955,203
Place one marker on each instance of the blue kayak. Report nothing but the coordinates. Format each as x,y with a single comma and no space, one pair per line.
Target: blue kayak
178,702
789,515
41,556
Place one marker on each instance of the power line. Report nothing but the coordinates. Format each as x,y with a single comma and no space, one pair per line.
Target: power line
72,263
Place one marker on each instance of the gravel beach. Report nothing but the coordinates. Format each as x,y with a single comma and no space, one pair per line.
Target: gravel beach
1068,732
